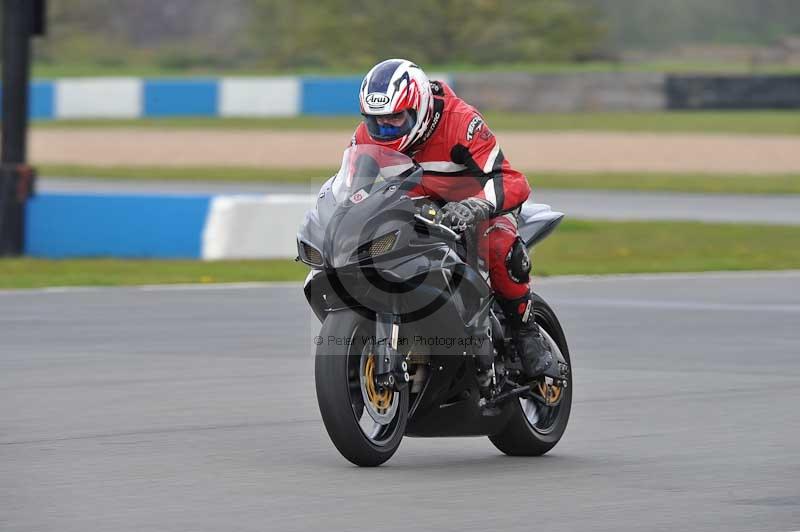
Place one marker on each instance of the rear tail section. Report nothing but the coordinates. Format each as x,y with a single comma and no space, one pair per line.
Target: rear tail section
536,222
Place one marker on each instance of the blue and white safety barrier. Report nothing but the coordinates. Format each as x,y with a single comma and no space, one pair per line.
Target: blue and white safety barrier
317,95
225,97
164,226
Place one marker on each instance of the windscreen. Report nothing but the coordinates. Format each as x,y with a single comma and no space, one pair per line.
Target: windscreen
366,166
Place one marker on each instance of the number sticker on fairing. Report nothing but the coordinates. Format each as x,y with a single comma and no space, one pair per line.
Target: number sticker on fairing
359,196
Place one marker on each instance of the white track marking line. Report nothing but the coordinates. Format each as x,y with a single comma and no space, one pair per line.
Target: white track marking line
214,286
561,279
617,277
683,305
151,288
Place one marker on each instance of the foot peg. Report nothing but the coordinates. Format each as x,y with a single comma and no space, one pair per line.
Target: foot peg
490,407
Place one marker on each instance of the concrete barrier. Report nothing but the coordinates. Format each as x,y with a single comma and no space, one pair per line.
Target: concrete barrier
558,93
330,96
41,100
167,97
254,227
338,95
106,225
98,98
259,97
164,226
733,92
315,95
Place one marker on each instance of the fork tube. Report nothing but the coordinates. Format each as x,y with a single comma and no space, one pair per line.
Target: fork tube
386,329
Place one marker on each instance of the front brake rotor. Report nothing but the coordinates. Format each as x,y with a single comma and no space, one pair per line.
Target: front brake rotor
380,402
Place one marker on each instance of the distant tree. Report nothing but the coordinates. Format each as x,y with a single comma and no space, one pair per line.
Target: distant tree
121,31
313,33
352,34
667,23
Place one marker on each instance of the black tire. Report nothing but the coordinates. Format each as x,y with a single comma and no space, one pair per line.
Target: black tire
519,437
333,374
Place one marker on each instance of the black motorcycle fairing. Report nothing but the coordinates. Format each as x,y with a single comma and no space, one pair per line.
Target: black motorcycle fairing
412,286
351,228
312,229
421,260
461,417
389,198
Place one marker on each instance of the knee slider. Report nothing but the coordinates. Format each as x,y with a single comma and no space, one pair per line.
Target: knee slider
518,263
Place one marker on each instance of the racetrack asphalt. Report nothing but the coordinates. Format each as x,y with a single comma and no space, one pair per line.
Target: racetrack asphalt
193,408
578,204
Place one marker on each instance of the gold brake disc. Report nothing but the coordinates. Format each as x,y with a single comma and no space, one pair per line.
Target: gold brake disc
380,399
551,393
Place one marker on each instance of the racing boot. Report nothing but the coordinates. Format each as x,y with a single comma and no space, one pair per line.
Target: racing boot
533,348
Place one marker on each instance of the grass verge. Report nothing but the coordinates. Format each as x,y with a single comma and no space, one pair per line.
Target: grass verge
578,247
736,122
218,174
32,273
670,182
61,69
664,182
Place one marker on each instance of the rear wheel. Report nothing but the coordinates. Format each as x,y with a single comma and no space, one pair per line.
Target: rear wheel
365,423
536,427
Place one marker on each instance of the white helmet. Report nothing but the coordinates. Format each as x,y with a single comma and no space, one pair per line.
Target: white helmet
400,88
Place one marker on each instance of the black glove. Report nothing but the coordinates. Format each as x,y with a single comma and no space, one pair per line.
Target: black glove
460,215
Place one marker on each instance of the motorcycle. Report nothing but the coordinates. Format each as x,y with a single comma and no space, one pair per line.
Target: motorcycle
412,341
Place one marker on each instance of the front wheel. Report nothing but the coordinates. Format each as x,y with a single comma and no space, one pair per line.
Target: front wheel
365,423
535,428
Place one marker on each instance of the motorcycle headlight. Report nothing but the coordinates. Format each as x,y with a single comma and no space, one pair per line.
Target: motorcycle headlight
378,246
309,254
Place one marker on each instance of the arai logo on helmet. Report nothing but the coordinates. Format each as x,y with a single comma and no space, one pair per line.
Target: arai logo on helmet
376,99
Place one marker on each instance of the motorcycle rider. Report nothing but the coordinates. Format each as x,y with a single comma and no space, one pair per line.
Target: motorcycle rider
465,169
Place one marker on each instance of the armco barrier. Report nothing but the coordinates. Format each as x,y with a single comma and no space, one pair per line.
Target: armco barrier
164,226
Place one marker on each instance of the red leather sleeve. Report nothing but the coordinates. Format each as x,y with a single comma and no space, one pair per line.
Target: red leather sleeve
502,185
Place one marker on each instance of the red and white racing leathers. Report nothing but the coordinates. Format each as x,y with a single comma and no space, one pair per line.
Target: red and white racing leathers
462,159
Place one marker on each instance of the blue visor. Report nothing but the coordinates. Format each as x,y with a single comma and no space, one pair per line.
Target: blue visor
387,132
